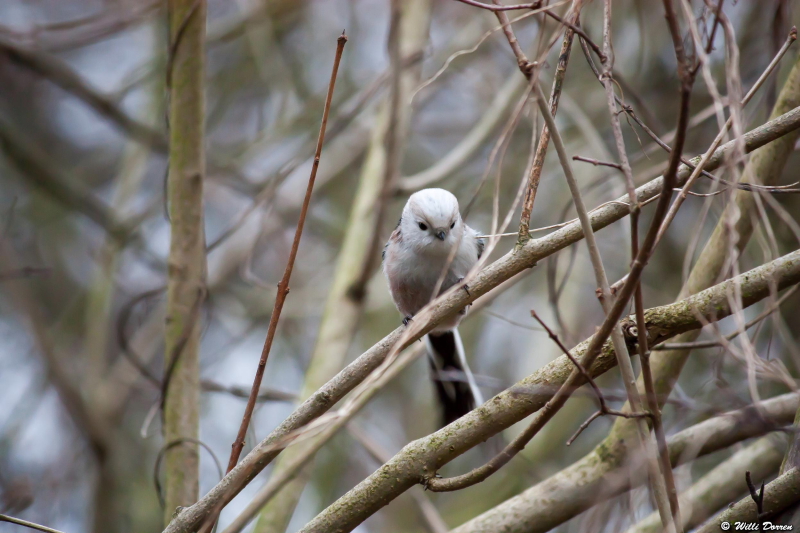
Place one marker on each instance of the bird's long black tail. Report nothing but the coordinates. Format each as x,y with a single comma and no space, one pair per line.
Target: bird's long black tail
455,394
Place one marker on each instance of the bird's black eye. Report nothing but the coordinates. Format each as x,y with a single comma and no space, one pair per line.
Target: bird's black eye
453,225
422,226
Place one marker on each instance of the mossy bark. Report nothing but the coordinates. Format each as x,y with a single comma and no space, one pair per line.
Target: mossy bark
505,268
723,484
422,458
187,260
765,166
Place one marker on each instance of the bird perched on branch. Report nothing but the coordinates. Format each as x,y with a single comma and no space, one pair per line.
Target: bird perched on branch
432,246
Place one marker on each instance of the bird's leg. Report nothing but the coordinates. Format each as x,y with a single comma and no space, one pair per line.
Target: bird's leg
407,319
464,286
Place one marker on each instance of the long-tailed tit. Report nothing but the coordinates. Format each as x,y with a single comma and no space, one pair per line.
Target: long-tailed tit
417,256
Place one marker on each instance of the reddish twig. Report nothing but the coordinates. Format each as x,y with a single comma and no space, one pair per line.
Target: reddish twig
283,286
596,162
544,137
499,7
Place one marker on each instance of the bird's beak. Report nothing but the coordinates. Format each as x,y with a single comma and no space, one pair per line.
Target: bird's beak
440,234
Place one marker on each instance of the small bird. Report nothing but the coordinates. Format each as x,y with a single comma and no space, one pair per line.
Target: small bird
414,260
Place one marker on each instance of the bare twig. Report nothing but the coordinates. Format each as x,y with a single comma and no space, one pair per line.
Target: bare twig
25,523
167,446
68,80
711,344
722,484
630,112
627,370
721,135
758,499
481,473
544,138
283,286
524,65
604,409
595,162
577,29
418,460
603,474
347,297
486,280
783,493
660,483
500,8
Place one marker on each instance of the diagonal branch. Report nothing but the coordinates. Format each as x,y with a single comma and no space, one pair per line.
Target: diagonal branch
777,496
283,286
722,484
67,79
419,460
544,138
662,480
448,304
606,472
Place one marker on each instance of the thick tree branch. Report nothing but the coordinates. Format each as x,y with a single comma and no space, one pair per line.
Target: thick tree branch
778,496
443,307
419,460
765,166
600,475
186,276
722,484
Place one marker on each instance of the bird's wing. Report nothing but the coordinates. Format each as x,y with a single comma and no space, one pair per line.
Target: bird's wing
481,244
396,237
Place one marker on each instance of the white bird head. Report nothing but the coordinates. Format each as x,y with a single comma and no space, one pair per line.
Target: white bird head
431,221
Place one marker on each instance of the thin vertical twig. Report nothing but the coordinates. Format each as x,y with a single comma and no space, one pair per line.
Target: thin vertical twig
544,138
665,466
283,286
357,256
758,499
606,300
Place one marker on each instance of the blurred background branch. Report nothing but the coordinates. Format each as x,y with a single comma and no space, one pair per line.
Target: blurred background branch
89,157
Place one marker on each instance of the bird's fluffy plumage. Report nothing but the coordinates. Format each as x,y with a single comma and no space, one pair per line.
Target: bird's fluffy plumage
418,250
416,257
